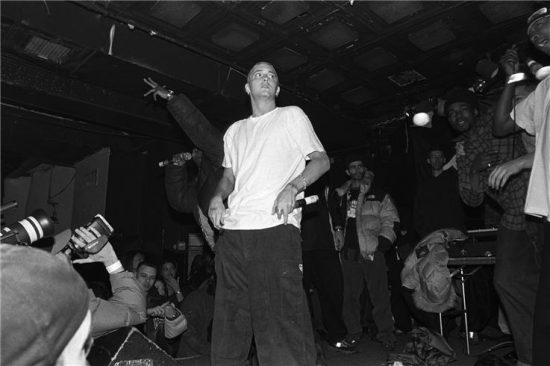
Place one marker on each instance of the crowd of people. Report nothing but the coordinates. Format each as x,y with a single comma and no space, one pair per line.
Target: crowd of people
255,300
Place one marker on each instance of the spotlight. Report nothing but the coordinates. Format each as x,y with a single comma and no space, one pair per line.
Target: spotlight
422,119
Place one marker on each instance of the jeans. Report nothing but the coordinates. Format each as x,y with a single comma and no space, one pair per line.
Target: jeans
374,273
516,280
260,293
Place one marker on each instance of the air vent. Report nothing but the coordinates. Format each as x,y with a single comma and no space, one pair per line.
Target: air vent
47,50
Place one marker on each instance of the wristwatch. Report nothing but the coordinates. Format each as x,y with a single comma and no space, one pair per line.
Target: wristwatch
170,95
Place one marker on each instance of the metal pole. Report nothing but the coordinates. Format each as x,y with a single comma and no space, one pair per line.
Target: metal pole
463,284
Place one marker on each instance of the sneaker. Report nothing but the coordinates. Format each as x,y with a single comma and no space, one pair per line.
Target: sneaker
353,339
343,346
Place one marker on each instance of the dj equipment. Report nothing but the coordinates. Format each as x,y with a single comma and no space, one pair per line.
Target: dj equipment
478,250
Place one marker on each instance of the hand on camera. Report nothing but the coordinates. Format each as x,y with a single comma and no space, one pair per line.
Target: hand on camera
83,236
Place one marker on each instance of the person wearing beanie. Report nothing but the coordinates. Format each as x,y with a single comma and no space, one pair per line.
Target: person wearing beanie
478,152
532,114
369,224
44,309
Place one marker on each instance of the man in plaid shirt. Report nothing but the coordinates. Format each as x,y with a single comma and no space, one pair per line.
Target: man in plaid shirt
477,153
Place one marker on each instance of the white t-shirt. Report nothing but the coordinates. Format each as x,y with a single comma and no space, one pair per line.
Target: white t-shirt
265,154
533,115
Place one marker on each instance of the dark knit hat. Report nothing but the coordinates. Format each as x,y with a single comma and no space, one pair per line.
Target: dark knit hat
460,95
43,303
354,157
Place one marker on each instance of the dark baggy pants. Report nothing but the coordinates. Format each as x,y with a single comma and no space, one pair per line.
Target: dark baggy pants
541,329
260,293
323,271
516,280
375,274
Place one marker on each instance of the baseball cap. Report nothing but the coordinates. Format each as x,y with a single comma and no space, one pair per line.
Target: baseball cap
43,303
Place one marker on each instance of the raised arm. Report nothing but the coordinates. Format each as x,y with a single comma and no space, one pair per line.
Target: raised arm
503,124
202,133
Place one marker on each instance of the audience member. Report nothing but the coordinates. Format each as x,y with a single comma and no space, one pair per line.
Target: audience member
131,259
45,313
171,288
478,152
369,231
159,310
437,203
198,309
258,257
322,269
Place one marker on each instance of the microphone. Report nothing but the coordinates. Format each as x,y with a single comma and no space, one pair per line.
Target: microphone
306,201
176,159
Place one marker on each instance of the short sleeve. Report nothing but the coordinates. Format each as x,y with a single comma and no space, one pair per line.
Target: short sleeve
524,114
228,148
301,132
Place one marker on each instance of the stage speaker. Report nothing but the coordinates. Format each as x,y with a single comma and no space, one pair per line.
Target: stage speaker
128,347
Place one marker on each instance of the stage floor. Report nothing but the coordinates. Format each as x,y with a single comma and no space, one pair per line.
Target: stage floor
371,353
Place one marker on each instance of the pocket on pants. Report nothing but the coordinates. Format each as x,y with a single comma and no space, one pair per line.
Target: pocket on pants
292,293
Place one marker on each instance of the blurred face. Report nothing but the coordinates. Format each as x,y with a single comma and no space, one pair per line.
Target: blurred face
356,170
539,34
146,276
138,258
168,270
461,116
77,349
263,81
436,159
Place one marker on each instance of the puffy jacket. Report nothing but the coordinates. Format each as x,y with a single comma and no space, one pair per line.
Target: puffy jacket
376,218
426,271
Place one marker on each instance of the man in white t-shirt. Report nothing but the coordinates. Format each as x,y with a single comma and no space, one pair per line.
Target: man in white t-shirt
258,256
533,115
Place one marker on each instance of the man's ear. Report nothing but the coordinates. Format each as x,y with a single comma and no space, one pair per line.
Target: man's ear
348,173
476,112
428,161
277,91
247,88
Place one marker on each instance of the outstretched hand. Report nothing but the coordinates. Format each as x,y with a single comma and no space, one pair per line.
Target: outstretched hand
156,89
